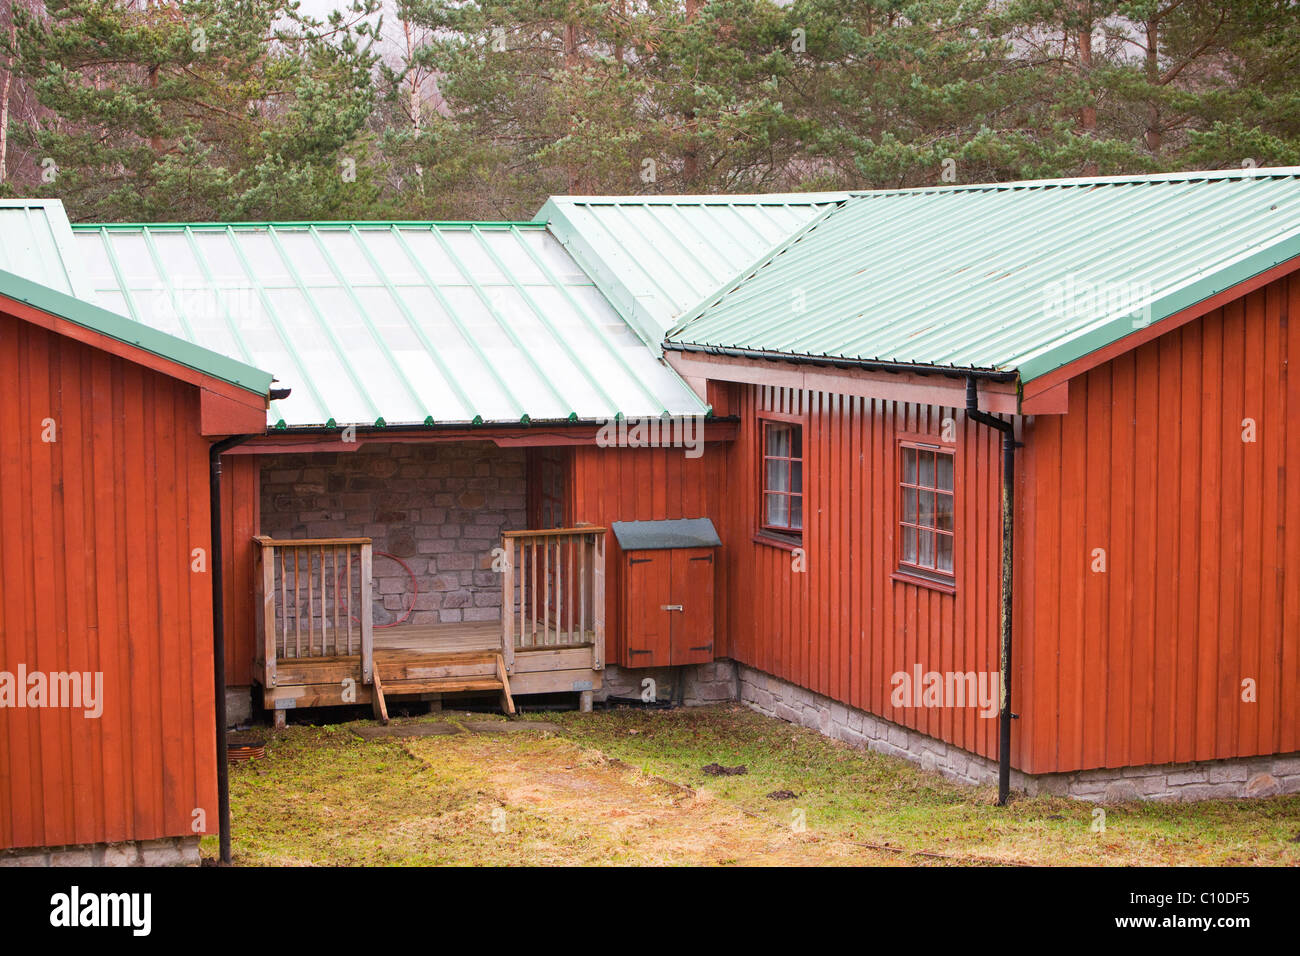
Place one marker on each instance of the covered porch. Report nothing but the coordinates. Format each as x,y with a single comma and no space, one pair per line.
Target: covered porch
319,646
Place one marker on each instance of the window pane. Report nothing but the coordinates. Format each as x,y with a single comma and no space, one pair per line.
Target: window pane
926,556
943,512
796,476
926,514
778,440
909,465
945,553
909,505
778,476
945,473
925,470
778,512
909,545
796,512
796,441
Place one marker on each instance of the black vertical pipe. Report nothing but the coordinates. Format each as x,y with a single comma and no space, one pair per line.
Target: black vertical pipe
219,637
1008,610
1009,445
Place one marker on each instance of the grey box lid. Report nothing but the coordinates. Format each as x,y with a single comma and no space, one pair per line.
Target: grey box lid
677,533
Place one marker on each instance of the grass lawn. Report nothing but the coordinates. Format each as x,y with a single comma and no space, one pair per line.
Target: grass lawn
629,787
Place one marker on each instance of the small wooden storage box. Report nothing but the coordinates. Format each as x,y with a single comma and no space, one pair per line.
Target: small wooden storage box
667,582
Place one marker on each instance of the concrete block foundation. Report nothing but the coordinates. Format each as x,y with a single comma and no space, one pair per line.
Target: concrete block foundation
1206,780
168,851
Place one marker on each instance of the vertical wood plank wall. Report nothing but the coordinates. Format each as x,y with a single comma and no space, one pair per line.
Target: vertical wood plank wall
646,484
241,521
1144,663
96,534
843,627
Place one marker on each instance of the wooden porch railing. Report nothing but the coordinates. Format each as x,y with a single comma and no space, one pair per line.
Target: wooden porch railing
553,595
553,591
306,590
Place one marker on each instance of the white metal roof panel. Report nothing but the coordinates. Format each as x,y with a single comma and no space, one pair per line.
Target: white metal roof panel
36,243
657,257
392,323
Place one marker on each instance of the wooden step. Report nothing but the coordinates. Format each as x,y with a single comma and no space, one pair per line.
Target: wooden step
443,683
440,685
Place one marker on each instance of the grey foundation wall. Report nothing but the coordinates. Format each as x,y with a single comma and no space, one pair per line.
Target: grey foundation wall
168,851
1211,779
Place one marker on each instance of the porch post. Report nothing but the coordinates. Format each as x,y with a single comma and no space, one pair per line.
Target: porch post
367,614
598,600
266,623
508,605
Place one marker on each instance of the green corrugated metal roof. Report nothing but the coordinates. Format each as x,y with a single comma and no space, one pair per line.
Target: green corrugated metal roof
1018,276
657,257
391,323
132,333
36,243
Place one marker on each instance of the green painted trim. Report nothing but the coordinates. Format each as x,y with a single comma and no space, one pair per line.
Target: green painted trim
685,199
319,224
135,334
1189,176
1162,308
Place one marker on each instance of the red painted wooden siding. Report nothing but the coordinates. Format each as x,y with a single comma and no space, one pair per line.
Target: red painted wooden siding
644,484
241,521
1143,664
96,533
844,626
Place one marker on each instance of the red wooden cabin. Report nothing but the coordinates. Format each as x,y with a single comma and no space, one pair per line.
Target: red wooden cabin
106,667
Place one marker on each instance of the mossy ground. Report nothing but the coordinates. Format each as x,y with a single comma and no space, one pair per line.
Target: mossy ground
626,787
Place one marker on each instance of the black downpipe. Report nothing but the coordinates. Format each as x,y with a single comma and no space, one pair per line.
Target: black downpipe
1009,446
219,636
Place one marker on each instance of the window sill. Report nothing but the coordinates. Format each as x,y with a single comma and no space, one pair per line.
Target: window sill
777,541
934,584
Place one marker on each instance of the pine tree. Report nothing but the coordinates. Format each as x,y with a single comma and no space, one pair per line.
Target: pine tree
202,109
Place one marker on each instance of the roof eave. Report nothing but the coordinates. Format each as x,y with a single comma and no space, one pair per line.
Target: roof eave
1167,311
845,362
135,335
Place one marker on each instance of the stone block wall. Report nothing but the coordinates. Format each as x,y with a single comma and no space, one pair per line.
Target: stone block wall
701,684
439,507
1211,779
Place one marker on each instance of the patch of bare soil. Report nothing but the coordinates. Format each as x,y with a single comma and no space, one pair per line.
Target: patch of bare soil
611,811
